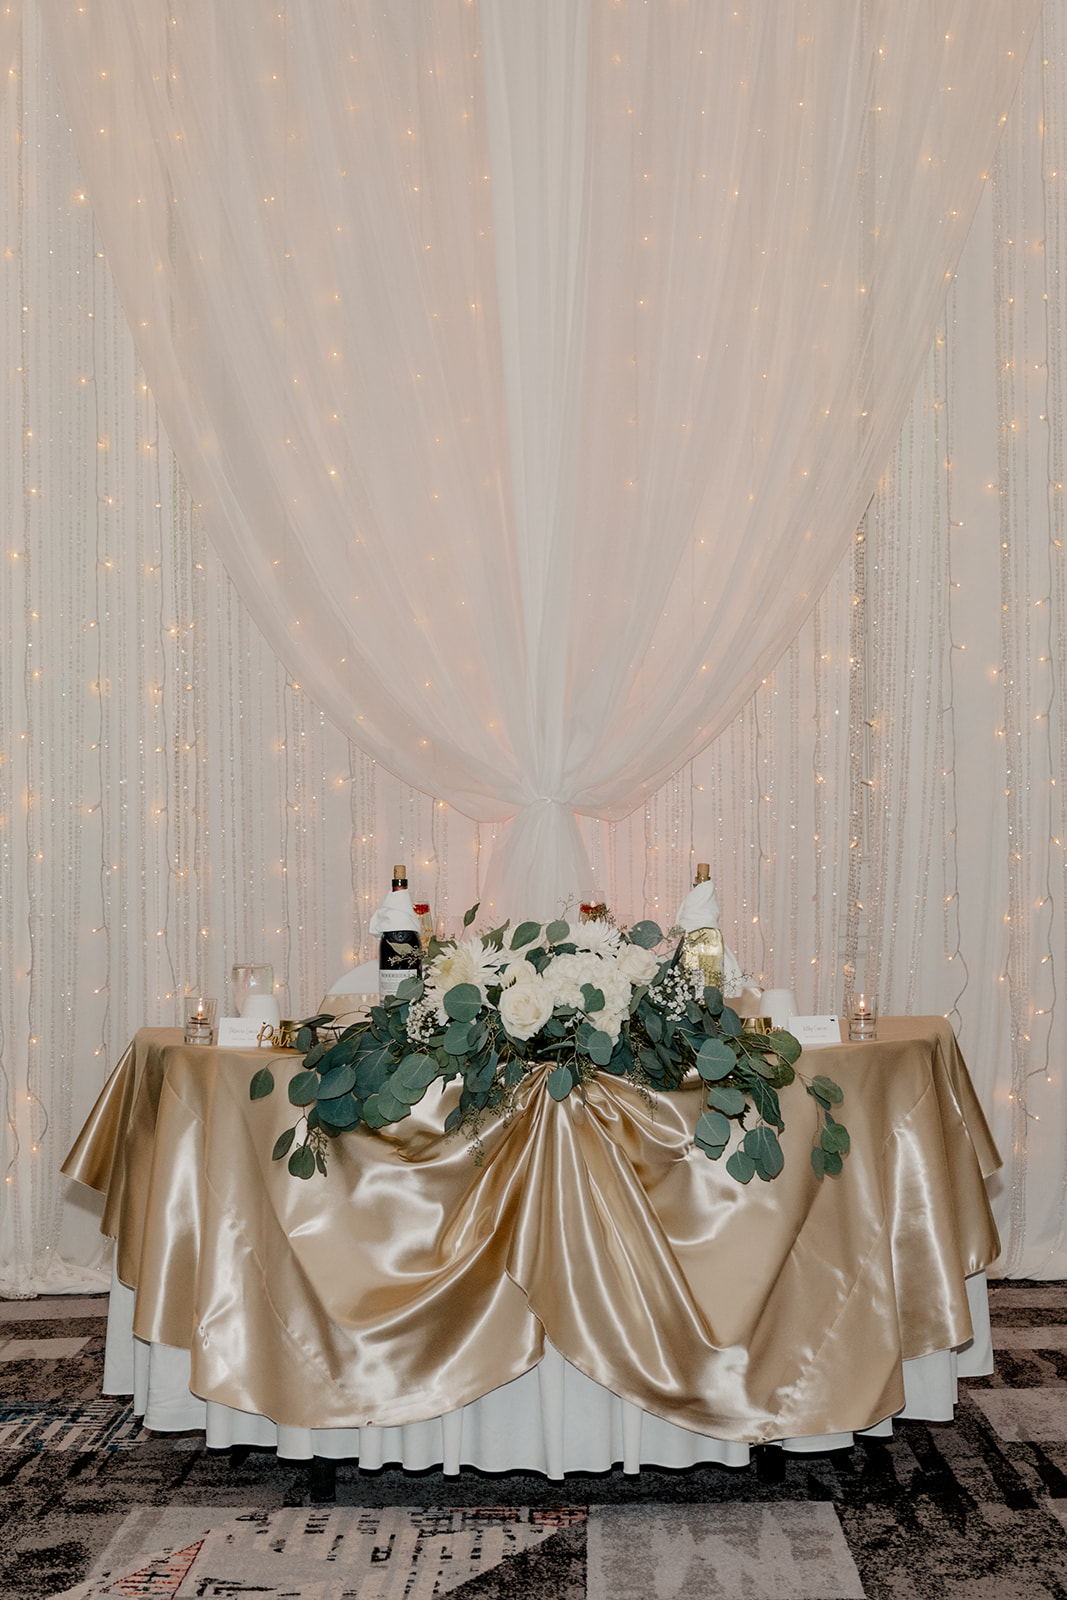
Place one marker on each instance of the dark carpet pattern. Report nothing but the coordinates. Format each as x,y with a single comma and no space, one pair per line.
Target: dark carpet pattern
975,1509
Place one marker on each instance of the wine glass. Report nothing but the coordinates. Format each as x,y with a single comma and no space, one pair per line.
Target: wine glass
250,978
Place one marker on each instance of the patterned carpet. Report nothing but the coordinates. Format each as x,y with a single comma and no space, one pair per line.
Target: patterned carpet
91,1504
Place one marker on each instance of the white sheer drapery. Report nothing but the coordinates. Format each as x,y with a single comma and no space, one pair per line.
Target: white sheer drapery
533,364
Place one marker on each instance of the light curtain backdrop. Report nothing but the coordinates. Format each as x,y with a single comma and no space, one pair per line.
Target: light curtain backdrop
170,800
490,335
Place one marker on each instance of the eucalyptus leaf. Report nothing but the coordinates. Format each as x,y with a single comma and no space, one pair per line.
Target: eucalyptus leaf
601,1049
787,1046
484,1076
650,1062
303,1088
372,1072
339,1115
767,1104
463,1002
457,1038
762,1145
712,1128
645,934
560,1083
818,1161
390,1105
262,1084
469,916
592,998
835,1140
525,933
731,1102
302,1162
454,1118
283,1144
714,1003
410,989
715,1060
826,1089
339,1080
730,1023
584,1035
408,1094
741,1166
416,1070
637,996
556,931
832,1163
762,1068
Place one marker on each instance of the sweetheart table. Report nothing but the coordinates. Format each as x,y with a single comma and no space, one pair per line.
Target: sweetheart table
584,1289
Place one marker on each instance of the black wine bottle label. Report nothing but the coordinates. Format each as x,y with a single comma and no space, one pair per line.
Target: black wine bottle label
398,958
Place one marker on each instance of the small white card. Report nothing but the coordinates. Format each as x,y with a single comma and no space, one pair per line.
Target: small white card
815,1031
243,1033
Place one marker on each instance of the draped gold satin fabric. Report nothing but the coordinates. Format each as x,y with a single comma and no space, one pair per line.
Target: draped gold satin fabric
411,1281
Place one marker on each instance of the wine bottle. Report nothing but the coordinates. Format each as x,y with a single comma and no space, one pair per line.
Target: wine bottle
701,949
399,948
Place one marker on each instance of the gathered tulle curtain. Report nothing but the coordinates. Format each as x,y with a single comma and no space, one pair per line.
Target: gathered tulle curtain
531,365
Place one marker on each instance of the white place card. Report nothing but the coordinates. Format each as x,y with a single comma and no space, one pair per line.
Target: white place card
242,1033
815,1031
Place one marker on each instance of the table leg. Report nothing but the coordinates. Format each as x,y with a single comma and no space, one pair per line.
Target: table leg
323,1479
770,1463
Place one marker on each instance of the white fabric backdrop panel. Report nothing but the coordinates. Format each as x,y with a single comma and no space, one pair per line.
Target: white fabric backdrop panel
490,335
171,801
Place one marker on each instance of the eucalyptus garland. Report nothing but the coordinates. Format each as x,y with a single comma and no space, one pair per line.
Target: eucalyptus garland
580,1000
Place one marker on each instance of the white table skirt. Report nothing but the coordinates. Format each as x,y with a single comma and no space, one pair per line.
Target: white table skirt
551,1420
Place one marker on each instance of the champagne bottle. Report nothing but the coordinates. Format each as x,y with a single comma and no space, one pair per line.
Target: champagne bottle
399,948
701,949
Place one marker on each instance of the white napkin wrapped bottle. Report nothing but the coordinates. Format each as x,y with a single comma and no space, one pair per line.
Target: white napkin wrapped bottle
703,946
394,924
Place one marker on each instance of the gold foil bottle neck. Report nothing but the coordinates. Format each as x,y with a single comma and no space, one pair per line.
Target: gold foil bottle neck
703,873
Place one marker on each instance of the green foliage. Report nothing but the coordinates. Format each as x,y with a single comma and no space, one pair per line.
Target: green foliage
373,1072
262,1084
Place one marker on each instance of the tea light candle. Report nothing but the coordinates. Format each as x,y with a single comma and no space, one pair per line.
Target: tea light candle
199,1019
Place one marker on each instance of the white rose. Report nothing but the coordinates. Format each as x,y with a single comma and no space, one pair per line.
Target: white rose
637,965
518,972
525,1008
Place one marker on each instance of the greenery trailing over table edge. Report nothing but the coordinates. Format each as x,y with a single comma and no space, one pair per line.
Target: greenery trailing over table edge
490,1012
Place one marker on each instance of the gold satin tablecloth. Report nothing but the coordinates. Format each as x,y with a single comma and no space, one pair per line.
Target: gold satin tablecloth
410,1281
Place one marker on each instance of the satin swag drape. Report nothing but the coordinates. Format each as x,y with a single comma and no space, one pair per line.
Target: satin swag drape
532,365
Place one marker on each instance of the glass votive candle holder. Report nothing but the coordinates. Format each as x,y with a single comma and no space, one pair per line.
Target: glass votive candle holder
862,1013
249,979
199,1019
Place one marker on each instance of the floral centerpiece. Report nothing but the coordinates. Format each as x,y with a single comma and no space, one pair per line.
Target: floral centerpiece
575,1000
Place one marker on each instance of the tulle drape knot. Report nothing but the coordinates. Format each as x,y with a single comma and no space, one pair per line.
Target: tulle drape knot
539,866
